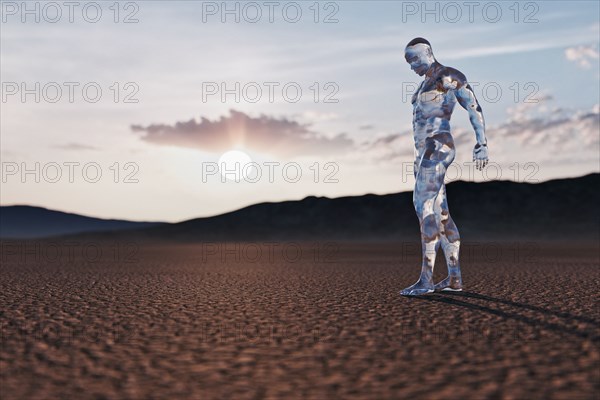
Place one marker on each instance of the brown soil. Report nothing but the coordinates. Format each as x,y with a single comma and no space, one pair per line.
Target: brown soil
325,322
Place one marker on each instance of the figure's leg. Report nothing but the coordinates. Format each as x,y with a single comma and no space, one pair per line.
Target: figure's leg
430,178
450,243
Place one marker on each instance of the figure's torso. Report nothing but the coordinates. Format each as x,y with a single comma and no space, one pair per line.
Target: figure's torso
433,104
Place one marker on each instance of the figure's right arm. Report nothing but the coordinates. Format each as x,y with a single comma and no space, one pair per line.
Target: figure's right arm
466,98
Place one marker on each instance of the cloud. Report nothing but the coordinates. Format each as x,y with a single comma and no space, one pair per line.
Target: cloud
238,130
390,147
582,55
550,136
538,107
76,147
540,122
319,117
539,130
535,131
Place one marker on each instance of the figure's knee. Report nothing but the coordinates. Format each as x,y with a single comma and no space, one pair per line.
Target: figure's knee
440,208
429,228
451,231
425,211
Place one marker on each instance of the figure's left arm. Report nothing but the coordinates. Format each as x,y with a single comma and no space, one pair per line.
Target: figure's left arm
466,98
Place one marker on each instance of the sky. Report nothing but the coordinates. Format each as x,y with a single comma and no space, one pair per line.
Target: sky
124,111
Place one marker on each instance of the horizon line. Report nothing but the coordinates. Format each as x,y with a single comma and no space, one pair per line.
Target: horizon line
284,201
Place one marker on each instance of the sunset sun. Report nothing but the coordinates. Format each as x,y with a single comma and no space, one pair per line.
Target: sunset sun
235,165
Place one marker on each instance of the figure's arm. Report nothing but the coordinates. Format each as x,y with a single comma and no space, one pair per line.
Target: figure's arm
466,98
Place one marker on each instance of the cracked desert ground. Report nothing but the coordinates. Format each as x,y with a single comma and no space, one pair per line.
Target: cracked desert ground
190,321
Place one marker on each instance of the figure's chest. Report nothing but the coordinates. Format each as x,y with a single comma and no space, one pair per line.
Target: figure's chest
432,94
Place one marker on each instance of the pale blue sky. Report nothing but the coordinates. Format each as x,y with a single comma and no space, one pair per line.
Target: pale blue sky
171,52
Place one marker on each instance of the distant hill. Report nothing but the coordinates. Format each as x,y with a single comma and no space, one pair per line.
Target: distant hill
26,222
564,209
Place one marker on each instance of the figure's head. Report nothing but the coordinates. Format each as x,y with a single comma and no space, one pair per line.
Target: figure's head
419,55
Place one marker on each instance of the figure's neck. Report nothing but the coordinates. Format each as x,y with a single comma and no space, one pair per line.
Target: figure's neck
433,68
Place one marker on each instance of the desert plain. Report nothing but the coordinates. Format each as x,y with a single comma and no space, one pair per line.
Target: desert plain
292,320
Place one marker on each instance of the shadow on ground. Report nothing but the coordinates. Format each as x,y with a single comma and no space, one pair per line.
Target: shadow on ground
566,318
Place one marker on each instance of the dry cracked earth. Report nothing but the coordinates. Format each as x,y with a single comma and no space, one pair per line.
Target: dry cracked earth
283,320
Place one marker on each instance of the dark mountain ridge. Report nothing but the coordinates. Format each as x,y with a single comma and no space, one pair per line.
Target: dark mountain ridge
27,222
562,209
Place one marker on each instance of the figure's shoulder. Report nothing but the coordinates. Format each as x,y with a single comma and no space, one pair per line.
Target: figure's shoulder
451,78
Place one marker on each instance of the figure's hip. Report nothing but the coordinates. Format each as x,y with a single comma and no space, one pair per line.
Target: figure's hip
437,148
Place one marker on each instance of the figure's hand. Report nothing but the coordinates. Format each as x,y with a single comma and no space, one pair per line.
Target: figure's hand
480,156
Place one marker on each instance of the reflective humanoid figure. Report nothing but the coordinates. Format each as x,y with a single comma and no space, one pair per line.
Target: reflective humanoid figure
434,150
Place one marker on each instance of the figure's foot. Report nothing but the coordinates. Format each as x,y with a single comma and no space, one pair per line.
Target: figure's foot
451,283
419,288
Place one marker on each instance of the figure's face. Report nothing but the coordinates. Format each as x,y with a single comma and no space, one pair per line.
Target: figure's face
419,57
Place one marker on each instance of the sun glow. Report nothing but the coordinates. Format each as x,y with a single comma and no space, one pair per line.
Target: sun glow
235,166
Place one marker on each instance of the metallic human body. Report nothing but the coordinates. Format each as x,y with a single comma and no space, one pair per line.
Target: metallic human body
433,104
